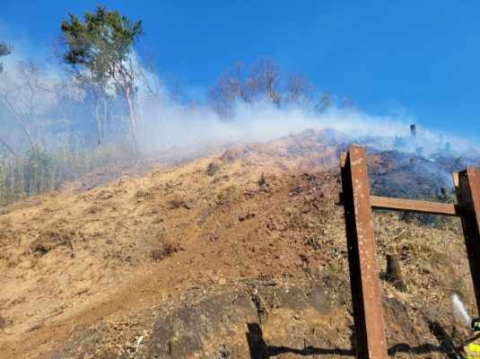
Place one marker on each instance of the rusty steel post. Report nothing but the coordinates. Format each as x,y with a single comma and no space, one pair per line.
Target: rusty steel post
364,281
468,196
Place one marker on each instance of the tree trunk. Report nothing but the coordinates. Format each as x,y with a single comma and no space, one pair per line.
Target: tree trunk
20,122
106,119
26,131
98,121
131,114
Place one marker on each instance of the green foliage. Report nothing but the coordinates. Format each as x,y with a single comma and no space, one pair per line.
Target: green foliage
40,171
5,50
99,48
35,173
100,43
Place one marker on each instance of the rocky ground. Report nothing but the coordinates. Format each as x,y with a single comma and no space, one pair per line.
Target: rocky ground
238,255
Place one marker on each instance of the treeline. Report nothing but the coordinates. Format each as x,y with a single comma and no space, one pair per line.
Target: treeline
57,124
264,80
97,97
38,171
92,99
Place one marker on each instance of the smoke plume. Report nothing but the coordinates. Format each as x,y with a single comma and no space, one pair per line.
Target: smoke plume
165,123
459,311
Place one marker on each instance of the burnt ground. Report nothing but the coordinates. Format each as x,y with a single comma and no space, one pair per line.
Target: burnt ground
240,255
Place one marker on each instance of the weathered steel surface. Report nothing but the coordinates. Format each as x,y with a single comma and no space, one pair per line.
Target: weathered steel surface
400,204
365,287
468,195
358,204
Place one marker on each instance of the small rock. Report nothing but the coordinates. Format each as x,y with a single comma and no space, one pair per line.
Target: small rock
244,217
212,169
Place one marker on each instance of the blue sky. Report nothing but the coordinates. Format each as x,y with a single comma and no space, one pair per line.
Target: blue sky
420,58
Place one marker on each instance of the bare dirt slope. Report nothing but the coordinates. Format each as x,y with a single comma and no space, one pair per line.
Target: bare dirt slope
241,255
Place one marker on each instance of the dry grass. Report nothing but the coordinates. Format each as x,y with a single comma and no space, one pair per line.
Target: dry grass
136,241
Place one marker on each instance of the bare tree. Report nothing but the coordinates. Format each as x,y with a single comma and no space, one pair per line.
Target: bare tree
94,90
298,87
8,147
264,79
229,88
26,95
234,83
325,103
5,50
125,77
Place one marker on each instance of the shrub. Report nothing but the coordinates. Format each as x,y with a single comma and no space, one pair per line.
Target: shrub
40,171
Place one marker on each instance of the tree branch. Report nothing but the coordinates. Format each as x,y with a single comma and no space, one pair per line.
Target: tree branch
19,121
8,147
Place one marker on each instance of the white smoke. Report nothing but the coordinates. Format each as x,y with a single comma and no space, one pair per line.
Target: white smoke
168,124
29,89
459,311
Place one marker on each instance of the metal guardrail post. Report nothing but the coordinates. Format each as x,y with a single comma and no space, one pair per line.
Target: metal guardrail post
364,281
468,196
365,286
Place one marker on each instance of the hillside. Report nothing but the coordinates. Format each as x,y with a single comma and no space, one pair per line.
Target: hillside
237,255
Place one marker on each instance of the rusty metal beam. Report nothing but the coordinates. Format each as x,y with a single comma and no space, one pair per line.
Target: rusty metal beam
409,205
358,204
468,195
365,286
